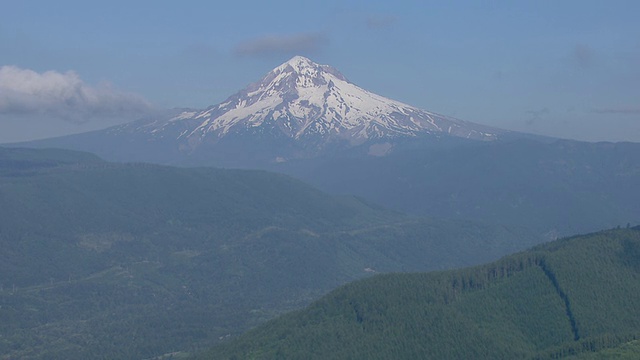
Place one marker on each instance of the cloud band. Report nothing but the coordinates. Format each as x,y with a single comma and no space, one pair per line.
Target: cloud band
63,95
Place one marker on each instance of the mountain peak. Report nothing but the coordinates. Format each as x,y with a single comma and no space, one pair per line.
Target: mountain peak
302,66
315,105
300,62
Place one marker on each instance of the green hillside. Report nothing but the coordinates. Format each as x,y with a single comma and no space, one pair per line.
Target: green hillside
576,297
625,351
103,260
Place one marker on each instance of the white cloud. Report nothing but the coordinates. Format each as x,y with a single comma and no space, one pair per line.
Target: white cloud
63,96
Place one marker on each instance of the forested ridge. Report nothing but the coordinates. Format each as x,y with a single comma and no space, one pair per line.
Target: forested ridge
576,296
105,260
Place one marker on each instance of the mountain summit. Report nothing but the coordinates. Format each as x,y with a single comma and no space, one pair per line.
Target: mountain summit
313,103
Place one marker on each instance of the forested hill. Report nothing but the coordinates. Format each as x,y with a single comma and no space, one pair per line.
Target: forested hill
577,296
133,261
19,160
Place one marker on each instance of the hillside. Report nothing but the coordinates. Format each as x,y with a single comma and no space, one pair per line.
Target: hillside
138,260
624,351
576,296
558,188
554,188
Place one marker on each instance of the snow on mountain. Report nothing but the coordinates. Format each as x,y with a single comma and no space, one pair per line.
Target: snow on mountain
304,101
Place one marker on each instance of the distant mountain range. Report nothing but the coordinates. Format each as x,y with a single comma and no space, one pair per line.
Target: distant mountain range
307,120
576,298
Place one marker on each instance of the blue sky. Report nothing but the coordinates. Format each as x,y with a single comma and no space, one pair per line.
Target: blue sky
561,68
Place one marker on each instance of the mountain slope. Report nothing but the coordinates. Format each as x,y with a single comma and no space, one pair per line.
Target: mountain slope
307,101
625,351
135,260
570,296
300,109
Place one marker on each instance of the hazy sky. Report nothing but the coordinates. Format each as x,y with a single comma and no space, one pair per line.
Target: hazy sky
562,68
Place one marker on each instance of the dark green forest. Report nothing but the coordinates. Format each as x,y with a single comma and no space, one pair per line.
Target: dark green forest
575,298
104,260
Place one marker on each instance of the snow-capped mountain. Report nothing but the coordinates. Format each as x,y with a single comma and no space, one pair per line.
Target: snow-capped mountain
308,102
299,110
